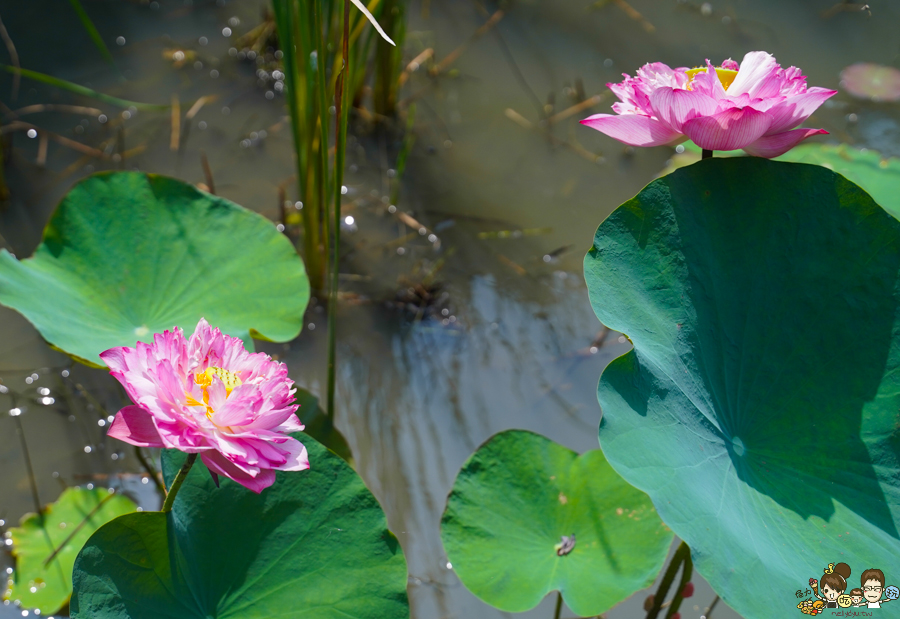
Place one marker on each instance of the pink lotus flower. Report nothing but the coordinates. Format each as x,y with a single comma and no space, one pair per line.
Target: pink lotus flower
208,395
754,106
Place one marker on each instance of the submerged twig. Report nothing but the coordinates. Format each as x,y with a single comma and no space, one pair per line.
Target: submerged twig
83,148
575,109
207,174
14,58
52,107
574,147
450,58
175,137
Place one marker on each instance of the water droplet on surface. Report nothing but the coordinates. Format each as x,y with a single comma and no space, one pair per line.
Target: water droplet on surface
738,445
65,373
15,412
90,486
145,480
349,220
101,422
344,190
31,133
279,227
47,401
449,565
88,449
141,331
28,380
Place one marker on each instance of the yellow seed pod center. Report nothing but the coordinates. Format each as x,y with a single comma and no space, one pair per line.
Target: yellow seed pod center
726,76
229,379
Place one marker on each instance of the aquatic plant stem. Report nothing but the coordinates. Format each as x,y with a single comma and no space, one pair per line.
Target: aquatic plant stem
31,478
686,573
711,606
707,154
558,605
340,138
666,582
176,483
151,470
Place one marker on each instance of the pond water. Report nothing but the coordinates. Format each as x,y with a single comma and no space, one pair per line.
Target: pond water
512,341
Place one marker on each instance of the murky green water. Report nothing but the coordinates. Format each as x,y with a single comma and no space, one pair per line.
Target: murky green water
508,345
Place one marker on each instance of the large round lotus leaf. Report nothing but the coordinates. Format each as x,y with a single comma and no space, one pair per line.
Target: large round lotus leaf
128,254
759,405
877,174
517,497
67,524
314,545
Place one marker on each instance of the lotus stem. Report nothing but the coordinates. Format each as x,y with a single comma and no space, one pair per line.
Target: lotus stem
340,138
558,605
683,552
707,154
176,483
686,573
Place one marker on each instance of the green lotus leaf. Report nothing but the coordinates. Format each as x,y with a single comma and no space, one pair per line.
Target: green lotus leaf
314,545
38,583
760,405
877,174
128,254
517,497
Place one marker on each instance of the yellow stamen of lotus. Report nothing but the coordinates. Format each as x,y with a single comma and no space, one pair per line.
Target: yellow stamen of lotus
726,76
204,379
